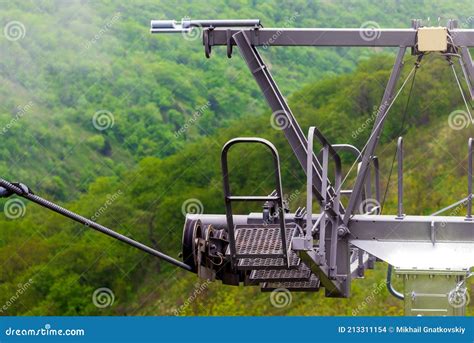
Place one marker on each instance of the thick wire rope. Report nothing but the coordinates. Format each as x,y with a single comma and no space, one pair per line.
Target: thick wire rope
24,192
462,92
402,128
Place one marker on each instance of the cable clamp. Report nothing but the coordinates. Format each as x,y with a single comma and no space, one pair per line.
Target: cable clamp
5,193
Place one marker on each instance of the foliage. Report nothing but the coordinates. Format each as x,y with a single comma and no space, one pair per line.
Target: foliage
77,58
173,110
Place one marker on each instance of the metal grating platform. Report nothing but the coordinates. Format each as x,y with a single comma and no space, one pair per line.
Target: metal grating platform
303,273
312,285
261,240
257,263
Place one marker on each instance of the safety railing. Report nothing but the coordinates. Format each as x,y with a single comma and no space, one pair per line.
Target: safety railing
276,197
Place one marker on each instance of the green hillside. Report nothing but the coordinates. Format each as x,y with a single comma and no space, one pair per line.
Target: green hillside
68,262
77,59
83,63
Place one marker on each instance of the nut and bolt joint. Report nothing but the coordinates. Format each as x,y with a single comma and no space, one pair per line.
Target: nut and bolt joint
342,231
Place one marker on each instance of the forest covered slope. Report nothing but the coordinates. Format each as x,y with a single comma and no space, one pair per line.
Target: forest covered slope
68,262
134,168
69,65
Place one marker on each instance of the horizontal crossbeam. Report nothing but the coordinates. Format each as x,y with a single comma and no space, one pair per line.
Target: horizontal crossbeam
411,228
361,37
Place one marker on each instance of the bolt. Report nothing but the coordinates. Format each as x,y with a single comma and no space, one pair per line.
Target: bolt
341,231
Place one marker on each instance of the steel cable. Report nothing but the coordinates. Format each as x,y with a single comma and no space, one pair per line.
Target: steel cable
25,193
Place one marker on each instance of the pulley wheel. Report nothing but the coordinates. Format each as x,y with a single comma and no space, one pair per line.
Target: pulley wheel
192,231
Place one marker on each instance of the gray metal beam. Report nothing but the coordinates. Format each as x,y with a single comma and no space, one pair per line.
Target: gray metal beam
334,288
463,37
361,37
375,227
411,228
468,69
375,135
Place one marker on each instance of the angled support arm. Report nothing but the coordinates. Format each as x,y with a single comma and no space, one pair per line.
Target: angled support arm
467,68
279,106
375,135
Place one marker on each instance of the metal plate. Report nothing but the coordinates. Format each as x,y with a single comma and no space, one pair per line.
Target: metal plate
303,273
261,240
251,263
428,294
312,285
421,255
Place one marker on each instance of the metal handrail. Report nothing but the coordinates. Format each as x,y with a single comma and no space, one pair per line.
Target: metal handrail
358,155
469,181
228,197
327,149
400,177
390,288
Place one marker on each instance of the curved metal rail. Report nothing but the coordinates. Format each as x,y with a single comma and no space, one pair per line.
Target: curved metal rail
229,198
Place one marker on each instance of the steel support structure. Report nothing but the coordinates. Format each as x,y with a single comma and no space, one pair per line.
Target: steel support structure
279,106
248,39
338,244
374,137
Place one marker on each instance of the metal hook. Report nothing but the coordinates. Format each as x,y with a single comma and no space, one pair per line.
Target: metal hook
207,44
229,43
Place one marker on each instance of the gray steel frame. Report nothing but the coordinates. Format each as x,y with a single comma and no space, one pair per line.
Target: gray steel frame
375,135
338,254
340,225
326,150
278,104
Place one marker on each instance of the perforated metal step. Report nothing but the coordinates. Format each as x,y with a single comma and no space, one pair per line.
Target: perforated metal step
312,285
302,273
257,263
261,240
